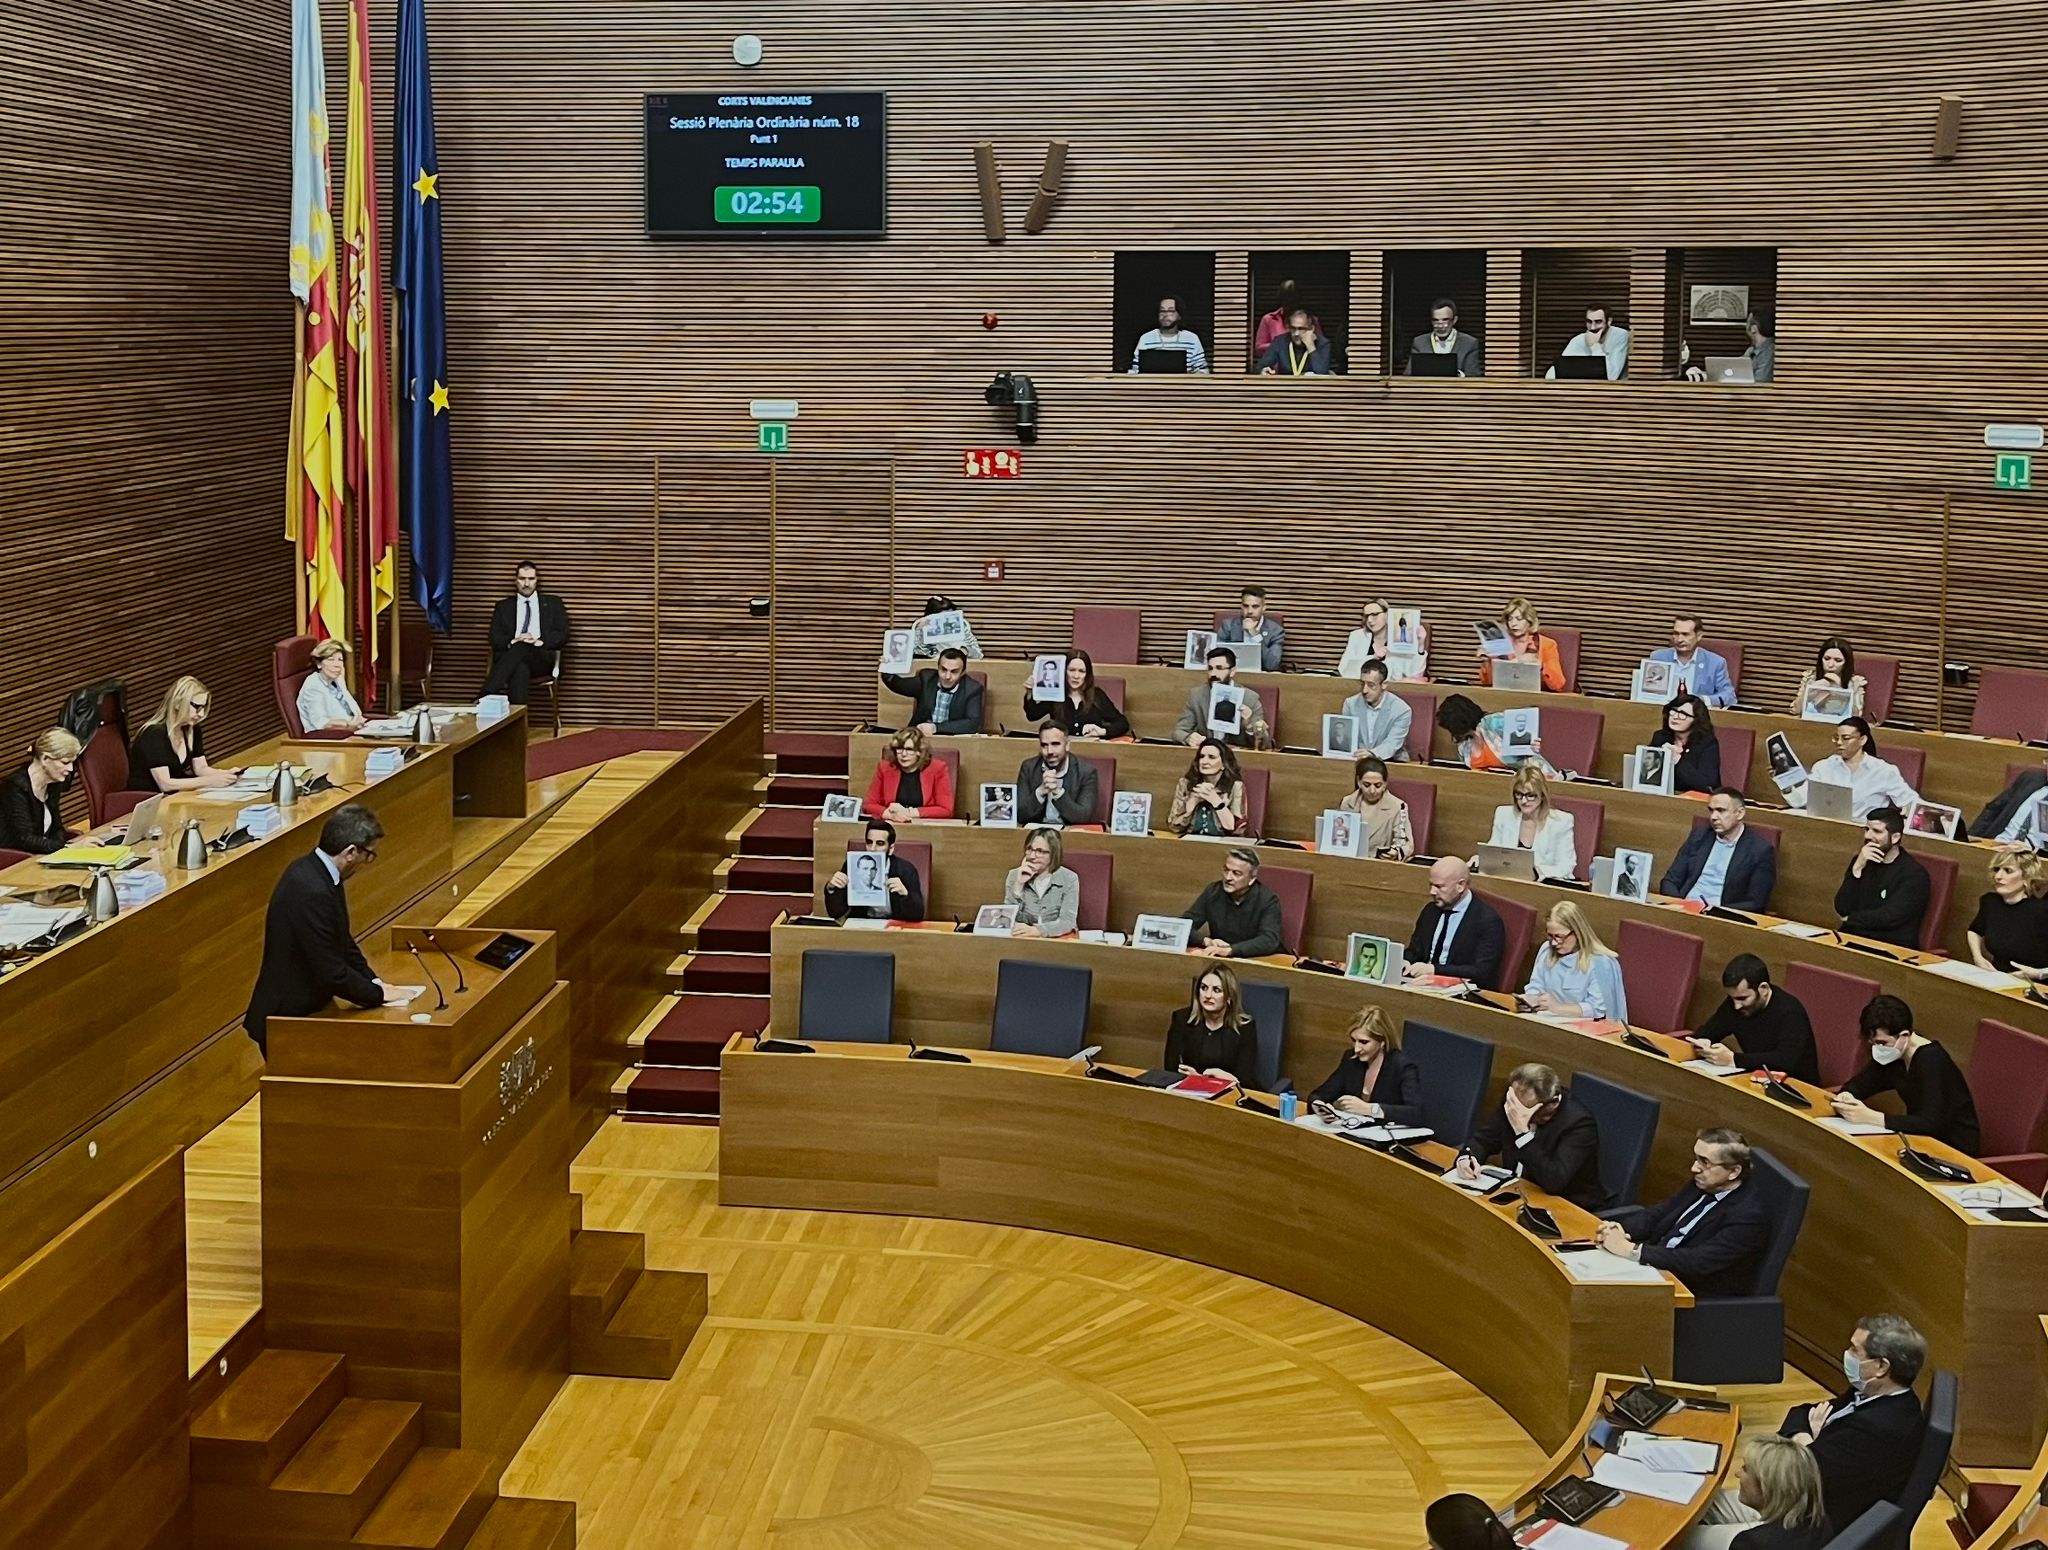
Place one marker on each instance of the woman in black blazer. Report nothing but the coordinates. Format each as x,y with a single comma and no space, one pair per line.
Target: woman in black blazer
1213,1036
1689,728
1374,1078
1084,711
29,798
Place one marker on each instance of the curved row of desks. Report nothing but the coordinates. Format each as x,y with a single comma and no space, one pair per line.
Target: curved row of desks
1961,769
1876,1237
1813,852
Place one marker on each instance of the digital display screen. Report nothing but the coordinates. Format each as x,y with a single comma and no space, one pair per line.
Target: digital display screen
767,164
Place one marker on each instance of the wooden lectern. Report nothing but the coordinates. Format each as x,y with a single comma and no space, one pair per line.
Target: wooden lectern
416,1206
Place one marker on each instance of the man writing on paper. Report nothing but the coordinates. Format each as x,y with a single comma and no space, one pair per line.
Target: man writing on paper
1713,1233
528,629
1726,863
310,957
1238,917
1544,1136
1458,933
1055,789
1193,726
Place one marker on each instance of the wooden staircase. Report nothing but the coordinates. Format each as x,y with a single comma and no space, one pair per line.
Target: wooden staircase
626,1321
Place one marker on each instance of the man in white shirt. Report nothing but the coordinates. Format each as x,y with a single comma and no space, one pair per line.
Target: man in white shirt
1169,335
1383,719
1601,337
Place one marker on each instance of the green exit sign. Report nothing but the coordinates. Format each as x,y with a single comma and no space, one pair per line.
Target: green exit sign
732,205
773,436
2015,471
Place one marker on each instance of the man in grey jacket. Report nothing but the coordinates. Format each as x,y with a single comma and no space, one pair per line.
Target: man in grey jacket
1444,338
1055,788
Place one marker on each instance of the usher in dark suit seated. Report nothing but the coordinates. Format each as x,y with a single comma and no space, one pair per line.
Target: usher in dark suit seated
528,631
1558,1147
310,957
1713,1233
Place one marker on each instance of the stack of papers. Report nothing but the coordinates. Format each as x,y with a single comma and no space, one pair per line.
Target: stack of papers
1980,1200
1708,1066
1851,1128
1370,1130
91,855
21,923
1602,1268
1798,929
1971,974
139,887
1553,1535
1626,1474
1682,1455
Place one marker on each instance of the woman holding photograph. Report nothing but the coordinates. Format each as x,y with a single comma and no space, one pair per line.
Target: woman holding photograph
1214,1035
1209,798
1084,711
1407,661
1374,1079
1688,730
1532,824
1045,890
2010,933
1388,833
1576,974
1530,643
1872,782
909,783
1834,663
1482,739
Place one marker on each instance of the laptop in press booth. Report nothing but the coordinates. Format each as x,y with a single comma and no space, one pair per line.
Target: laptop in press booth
1582,368
1728,368
1162,360
1507,861
1427,363
1830,799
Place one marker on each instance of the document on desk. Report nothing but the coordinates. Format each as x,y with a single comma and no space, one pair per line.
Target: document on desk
1708,1066
1800,929
1985,1196
1678,1455
1971,974
1379,1135
1553,1535
1602,1268
1850,1127
1625,1474
403,995
1489,1180
21,923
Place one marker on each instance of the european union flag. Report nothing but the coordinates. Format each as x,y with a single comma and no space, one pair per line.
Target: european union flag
428,495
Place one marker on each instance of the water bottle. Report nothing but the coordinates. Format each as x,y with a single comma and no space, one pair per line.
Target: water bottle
1289,1106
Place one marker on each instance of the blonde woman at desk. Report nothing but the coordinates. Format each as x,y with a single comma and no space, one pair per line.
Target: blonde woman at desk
1407,661
169,752
1532,824
29,798
1576,974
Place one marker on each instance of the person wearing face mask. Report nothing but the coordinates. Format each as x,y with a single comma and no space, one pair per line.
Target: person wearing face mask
1930,1085
906,891
1602,337
1865,1439
1374,1079
1884,893
1713,1233
1544,1136
1781,1490
1300,352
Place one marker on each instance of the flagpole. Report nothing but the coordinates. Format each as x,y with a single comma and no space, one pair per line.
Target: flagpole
295,473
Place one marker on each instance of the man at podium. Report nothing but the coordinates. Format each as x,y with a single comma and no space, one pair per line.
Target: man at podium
310,957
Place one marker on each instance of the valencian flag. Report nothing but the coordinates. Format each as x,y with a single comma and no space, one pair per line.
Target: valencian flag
372,477
428,495
313,518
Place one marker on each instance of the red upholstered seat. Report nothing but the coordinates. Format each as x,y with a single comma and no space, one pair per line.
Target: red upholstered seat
1420,795
1294,885
1270,698
1738,747
917,855
1880,681
1659,968
103,767
291,660
1941,888
987,701
1422,729
1096,869
1105,785
10,858
1571,738
1589,818
1108,634
1568,642
1730,651
1833,1001
1258,781
2011,702
1518,921
1113,688
1911,762
2009,1081
962,798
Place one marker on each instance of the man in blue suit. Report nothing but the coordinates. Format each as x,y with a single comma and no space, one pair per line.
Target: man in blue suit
1703,672
1725,863
1712,1234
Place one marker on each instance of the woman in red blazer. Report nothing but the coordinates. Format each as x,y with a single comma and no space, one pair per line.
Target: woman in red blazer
909,783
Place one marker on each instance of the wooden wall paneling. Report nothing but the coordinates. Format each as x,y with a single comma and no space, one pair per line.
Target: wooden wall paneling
1993,561
1646,282
93,1398
1505,346
715,524
827,616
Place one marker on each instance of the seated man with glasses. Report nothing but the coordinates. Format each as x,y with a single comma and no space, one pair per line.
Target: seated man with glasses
310,957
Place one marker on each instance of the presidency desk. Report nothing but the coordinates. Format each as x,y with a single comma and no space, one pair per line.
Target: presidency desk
1961,769
1813,852
1158,874
1028,1142
1876,1236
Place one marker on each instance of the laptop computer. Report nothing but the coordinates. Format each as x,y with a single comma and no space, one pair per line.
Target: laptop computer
145,823
1162,359
1582,368
1830,799
1427,363
1728,368
1526,677
1250,654
1507,861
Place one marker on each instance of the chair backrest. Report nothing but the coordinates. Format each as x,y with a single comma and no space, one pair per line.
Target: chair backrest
1519,930
1258,782
1937,1432
1911,763
847,997
1738,747
103,767
1880,681
1294,885
2011,702
1659,968
1730,651
1108,634
1097,871
1571,738
1270,698
1456,1069
1833,1001
1112,688
988,703
1568,642
10,858
1422,726
1420,795
963,799
1941,887
290,661
1628,1128
1267,1004
1041,1008
917,855
1589,818
1881,1527
2009,1080
1784,1195
1105,785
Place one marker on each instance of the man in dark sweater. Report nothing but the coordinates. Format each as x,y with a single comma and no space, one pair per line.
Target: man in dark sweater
1884,893
1769,1025
1932,1089
906,891
1240,916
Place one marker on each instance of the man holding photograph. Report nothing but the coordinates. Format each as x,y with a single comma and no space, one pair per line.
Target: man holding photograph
1193,726
1700,671
948,701
906,893
1055,789
1383,719
1725,862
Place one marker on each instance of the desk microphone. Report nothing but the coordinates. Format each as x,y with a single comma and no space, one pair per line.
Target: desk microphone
918,1052
416,958
461,985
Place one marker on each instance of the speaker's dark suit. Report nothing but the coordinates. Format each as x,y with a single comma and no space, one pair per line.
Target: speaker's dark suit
309,957
513,663
1474,950
1864,1456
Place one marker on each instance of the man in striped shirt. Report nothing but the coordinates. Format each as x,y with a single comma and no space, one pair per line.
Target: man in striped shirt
1169,335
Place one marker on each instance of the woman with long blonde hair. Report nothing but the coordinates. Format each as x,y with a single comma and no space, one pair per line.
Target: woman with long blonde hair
1214,1035
1531,823
169,753
1576,974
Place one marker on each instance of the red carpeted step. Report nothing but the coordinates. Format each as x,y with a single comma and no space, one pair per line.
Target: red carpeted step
769,874
743,974
668,1091
805,790
698,1028
808,753
779,831
739,923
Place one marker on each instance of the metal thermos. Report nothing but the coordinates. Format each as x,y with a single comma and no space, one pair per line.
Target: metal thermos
101,902
192,852
423,726
284,786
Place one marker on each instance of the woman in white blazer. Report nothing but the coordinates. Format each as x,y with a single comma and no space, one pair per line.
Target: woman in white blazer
1533,824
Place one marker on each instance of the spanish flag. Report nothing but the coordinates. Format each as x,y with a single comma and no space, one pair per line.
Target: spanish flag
372,475
313,517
